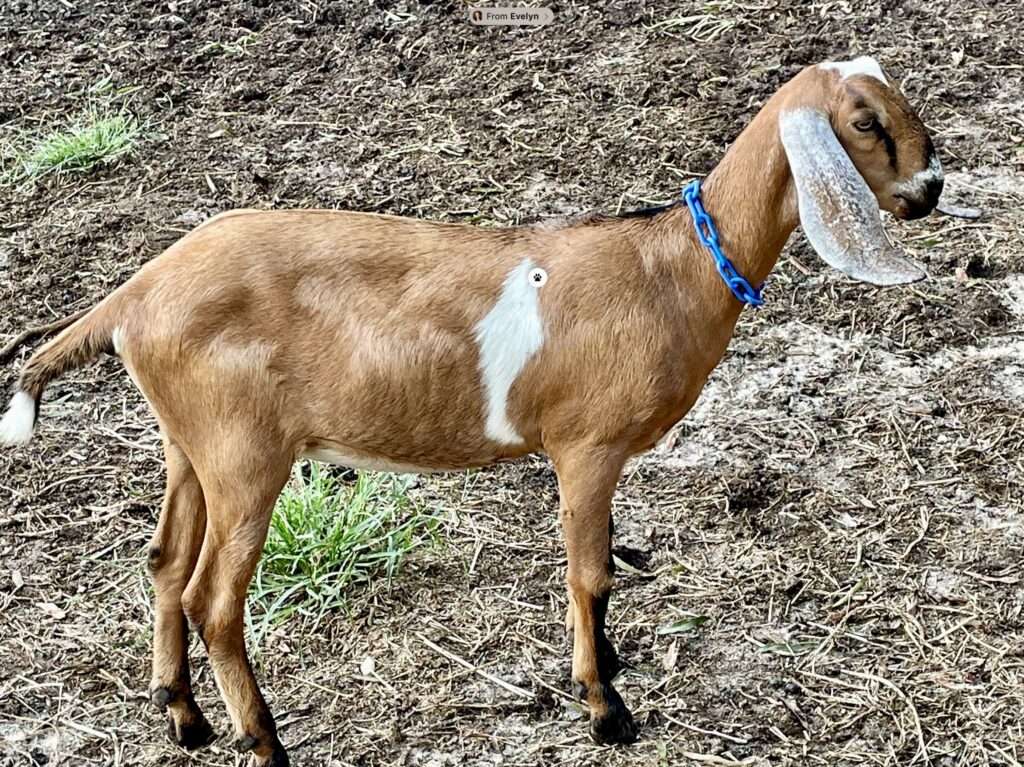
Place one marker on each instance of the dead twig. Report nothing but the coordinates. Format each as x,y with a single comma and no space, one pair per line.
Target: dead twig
476,670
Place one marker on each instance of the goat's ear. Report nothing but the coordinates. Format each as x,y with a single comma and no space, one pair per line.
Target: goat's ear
838,211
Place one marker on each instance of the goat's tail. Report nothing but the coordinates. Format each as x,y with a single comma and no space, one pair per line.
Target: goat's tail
74,347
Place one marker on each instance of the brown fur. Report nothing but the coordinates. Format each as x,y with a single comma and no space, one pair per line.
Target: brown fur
262,336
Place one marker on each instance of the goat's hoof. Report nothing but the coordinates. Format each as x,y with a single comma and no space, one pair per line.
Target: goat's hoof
191,735
245,743
277,758
161,697
616,725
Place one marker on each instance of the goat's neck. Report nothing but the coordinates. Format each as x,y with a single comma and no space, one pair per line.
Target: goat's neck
751,197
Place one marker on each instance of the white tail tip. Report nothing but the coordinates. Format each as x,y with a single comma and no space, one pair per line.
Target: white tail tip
19,420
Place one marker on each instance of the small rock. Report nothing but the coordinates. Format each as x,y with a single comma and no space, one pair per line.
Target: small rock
52,610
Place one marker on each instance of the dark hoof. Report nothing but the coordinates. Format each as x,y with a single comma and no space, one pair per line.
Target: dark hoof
191,735
161,697
278,758
245,744
616,725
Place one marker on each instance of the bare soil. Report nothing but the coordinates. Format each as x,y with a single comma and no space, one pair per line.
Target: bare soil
844,504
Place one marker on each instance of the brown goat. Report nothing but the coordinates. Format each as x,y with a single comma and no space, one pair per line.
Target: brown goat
389,343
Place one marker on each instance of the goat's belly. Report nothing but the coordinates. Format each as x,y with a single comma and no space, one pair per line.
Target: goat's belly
352,459
401,459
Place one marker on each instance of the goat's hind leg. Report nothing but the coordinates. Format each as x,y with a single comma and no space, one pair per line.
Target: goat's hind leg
238,515
173,552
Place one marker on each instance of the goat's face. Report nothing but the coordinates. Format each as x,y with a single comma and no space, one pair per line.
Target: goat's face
888,145
854,145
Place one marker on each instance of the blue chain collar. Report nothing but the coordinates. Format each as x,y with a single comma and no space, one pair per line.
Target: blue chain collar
708,236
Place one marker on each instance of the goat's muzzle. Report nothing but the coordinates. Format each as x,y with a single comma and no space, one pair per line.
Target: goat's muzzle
912,206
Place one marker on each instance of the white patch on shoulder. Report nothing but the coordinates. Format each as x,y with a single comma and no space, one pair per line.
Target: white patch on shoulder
19,420
507,337
362,462
862,65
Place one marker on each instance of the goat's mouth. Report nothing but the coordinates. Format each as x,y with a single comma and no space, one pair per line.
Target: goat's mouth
908,209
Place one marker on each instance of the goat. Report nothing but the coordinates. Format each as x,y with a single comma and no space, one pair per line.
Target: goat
380,342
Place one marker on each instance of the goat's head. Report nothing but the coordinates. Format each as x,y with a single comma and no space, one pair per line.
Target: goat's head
854,144
885,139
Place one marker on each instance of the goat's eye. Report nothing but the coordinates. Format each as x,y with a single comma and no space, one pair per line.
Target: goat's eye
868,123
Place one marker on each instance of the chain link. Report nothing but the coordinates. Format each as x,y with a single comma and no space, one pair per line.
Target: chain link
708,236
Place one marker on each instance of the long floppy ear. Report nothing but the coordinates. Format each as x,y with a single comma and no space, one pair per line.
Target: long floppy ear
838,211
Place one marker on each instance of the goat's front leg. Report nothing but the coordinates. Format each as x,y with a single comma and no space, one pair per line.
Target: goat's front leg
586,479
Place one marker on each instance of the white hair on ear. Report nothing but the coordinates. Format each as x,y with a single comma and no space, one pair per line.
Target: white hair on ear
862,65
838,211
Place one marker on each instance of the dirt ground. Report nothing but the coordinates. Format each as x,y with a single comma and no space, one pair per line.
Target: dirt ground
844,504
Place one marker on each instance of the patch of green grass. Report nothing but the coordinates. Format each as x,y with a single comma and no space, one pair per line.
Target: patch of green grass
239,47
688,625
98,138
327,536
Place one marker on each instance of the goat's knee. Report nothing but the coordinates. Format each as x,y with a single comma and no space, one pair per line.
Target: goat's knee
595,582
215,625
169,573
195,606
155,559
